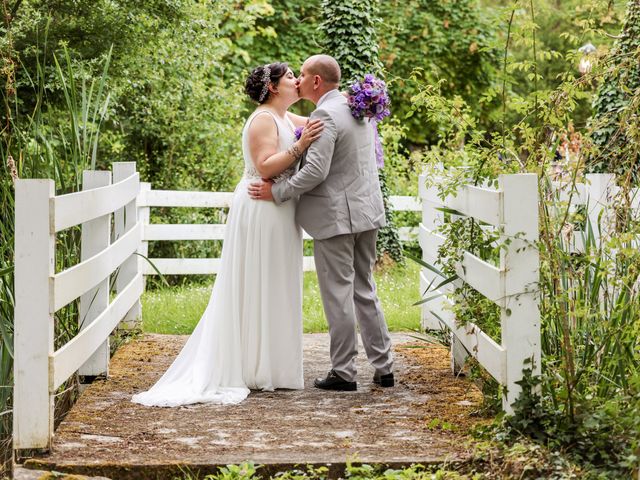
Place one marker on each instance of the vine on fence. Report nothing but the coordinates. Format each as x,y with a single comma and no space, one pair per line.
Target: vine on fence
463,234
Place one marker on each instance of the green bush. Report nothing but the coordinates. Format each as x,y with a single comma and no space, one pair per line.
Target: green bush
587,403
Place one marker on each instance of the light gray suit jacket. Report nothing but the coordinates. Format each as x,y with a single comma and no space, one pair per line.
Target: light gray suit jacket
338,181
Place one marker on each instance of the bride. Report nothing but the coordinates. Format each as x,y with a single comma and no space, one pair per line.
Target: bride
250,335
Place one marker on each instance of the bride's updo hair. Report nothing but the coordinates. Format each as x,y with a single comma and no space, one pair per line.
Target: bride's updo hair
254,86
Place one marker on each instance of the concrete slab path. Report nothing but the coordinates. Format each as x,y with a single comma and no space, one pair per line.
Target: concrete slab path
424,419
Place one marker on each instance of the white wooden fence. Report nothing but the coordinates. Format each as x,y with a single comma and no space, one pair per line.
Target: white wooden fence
174,232
512,285
512,208
598,197
40,291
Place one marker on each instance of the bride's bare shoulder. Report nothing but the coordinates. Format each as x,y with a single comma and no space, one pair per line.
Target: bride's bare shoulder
297,120
262,124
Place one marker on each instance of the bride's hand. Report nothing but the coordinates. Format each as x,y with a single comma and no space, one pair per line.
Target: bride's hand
311,133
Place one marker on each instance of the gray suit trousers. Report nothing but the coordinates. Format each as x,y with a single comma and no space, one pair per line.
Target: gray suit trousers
344,265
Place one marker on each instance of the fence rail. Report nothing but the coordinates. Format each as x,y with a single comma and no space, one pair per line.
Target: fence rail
93,203
180,232
597,196
67,359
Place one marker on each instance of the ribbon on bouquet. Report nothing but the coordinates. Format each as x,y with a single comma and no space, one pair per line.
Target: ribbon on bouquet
378,142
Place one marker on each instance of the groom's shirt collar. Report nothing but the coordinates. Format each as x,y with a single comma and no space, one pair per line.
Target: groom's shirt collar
324,97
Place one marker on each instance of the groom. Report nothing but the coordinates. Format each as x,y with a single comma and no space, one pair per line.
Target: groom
341,207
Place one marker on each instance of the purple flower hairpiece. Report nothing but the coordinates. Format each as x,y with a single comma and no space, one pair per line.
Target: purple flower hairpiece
369,98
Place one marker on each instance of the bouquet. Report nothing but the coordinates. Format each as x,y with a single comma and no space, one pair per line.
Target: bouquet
368,98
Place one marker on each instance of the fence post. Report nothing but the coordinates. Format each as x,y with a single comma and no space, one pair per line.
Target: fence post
34,316
431,219
125,219
520,315
96,236
600,191
458,353
144,214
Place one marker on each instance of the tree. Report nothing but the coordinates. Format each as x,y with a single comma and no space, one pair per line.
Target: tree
450,41
350,36
616,103
174,84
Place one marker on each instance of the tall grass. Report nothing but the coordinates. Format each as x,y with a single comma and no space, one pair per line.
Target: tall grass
590,303
58,139
6,313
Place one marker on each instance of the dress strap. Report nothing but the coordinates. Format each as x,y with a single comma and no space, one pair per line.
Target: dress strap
293,127
258,112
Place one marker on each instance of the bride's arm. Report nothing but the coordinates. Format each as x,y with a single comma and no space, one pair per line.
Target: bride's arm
263,145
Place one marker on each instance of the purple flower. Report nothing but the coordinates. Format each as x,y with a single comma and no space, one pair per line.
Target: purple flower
298,132
368,98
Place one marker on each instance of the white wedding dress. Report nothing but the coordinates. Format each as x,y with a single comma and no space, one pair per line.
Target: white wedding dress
250,335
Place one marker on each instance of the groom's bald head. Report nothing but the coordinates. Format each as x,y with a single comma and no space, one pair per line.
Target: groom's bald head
326,67
319,74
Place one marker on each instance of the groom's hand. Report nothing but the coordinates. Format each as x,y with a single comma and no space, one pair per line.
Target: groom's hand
261,190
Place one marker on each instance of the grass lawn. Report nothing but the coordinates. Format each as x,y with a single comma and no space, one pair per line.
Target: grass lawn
176,310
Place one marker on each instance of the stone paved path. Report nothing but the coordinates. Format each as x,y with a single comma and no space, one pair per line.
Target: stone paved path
105,434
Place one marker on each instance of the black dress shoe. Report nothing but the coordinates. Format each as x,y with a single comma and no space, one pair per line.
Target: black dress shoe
333,381
384,380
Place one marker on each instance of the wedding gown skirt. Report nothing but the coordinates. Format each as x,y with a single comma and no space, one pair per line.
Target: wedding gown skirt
250,335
